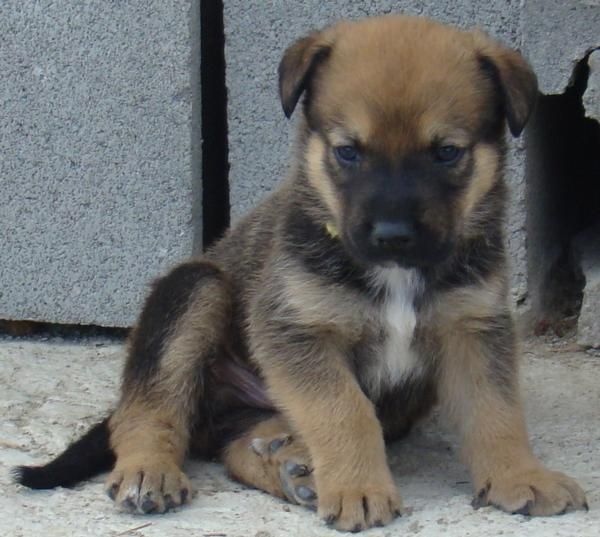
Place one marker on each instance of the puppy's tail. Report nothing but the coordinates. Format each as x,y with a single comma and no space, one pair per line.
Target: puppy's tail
84,458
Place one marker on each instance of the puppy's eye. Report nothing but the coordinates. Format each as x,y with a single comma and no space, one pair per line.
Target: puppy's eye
346,154
448,154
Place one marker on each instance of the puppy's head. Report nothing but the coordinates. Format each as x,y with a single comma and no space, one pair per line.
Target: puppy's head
404,130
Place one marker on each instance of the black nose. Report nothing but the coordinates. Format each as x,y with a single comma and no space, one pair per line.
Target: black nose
393,234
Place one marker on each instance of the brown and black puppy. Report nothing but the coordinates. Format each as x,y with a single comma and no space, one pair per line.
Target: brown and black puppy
371,285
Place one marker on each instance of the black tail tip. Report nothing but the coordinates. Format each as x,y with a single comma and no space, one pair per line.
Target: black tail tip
33,477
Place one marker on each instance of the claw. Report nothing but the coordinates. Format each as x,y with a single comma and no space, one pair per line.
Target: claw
276,445
149,505
169,502
525,510
258,445
330,519
296,470
306,494
129,504
481,499
112,491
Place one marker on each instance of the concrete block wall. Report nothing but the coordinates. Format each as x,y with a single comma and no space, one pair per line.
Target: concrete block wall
98,181
556,35
100,150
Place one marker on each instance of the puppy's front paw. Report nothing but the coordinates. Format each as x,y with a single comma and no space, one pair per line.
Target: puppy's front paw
359,506
532,491
148,486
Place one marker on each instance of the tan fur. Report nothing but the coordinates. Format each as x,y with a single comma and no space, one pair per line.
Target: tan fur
464,308
318,177
325,311
259,465
486,175
192,336
362,471
397,124
150,446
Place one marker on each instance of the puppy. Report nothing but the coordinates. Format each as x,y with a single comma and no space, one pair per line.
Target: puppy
369,286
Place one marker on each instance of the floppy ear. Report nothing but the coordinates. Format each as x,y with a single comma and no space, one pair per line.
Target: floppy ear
297,66
517,81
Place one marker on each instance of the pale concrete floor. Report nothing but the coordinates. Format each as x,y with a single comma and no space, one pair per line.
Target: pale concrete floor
51,391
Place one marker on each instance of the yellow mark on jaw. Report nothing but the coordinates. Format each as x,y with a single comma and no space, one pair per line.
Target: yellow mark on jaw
332,230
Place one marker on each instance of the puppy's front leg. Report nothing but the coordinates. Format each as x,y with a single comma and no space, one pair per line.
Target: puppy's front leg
479,386
309,379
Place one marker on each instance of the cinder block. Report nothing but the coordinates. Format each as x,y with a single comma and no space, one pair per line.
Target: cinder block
258,32
99,184
557,34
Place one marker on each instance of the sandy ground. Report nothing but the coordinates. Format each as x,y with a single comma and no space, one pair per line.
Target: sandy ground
52,390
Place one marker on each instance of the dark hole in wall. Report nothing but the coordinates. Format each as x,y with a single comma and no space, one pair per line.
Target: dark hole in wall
215,165
563,200
41,330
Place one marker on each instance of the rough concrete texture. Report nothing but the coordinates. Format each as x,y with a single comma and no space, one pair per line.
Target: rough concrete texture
557,34
259,135
591,97
516,222
588,324
96,168
51,391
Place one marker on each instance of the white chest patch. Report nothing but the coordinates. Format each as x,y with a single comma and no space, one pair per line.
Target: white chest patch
396,361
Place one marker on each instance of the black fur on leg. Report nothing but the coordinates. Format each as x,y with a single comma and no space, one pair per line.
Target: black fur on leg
84,458
164,306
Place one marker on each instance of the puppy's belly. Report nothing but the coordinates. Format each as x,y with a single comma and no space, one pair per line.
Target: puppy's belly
238,384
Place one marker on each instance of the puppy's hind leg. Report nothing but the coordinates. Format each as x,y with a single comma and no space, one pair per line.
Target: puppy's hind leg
180,330
272,458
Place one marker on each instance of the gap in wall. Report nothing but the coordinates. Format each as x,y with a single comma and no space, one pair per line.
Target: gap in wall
563,201
215,164
44,331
